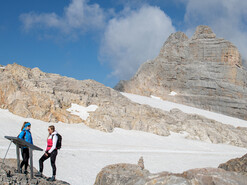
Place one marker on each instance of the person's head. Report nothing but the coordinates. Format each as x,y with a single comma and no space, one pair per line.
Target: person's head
26,126
51,129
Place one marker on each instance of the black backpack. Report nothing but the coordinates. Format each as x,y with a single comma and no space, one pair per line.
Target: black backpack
59,141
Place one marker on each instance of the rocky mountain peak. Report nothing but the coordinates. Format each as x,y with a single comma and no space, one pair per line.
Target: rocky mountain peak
177,37
204,32
204,71
203,46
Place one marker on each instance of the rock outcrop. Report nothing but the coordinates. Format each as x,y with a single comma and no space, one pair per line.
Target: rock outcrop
130,174
9,176
141,163
33,93
238,165
205,72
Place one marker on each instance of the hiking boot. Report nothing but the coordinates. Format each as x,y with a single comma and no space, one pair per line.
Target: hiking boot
16,171
9,174
51,178
38,174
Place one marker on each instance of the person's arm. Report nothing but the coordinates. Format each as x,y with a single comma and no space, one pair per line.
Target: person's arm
54,143
31,139
21,135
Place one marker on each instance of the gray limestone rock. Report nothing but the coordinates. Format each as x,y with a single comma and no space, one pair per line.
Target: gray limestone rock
205,72
9,176
130,174
126,174
238,165
141,163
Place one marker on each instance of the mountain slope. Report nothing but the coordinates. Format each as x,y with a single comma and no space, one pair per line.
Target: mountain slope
203,71
53,98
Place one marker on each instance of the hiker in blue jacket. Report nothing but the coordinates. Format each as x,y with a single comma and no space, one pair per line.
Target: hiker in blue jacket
26,136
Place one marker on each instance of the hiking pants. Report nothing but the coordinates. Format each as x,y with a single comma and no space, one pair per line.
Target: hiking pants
25,157
52,156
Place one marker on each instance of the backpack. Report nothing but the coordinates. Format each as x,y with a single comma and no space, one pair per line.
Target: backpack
59,141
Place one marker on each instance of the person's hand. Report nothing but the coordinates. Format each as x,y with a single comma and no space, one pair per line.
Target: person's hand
46,154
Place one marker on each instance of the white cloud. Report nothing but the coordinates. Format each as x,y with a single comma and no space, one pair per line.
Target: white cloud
134,37
78,16
227,19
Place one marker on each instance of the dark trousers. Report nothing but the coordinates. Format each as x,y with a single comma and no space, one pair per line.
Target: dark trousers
52,156
25,157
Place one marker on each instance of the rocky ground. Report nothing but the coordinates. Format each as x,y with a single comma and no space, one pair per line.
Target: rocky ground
35,94
205,72
131,174
9,176
236,165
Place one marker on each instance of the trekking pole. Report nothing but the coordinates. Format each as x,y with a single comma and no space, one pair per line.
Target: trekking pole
6,154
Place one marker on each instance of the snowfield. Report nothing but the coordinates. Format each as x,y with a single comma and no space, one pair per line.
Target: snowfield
86,151
167,106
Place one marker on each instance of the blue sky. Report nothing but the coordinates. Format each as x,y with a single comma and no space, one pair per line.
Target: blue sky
107,40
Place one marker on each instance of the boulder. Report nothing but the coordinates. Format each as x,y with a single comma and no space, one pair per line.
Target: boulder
238,165
129,174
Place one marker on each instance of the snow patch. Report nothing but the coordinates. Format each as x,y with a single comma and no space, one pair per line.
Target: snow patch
81,111
155,97
173,93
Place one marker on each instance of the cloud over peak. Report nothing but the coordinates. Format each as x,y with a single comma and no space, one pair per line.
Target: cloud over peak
134,37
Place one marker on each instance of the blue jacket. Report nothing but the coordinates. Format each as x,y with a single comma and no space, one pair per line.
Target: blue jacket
28,136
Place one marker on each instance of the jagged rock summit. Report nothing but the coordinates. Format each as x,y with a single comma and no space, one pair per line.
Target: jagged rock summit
203,71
